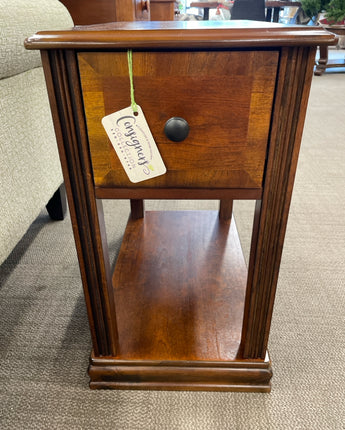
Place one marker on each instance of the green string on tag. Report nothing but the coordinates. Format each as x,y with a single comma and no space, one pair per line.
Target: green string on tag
130,70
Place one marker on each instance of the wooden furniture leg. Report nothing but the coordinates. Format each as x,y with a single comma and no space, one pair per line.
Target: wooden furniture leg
137,208
206,16
323,60
269,14
276,11
225,209
271,212
85,209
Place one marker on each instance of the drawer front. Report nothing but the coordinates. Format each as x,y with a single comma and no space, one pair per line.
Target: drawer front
225,96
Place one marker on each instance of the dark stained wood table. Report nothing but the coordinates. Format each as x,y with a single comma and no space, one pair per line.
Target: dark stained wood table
182,311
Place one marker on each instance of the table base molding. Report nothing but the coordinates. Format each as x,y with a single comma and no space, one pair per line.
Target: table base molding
241,375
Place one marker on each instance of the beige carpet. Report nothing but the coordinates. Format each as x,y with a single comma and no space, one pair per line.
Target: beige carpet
44,337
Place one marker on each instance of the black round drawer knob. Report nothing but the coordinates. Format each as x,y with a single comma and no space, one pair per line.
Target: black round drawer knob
176,129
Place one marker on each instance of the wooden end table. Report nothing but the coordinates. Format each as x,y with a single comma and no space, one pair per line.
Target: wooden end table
182,311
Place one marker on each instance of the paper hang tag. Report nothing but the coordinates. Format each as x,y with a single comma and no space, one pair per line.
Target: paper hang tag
133,142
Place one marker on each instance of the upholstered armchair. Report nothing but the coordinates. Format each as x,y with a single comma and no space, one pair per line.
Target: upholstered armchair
30,171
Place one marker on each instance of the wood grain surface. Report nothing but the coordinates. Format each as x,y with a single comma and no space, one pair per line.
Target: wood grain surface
182,34
226,98
179,292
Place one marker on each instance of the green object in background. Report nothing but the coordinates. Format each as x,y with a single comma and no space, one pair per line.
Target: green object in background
313,7
335,11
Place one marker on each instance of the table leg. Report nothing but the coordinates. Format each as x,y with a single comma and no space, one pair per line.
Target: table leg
137,208
206,13
276,11
323,60
269,14
225,209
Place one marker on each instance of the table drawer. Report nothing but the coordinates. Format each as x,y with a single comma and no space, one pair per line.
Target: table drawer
225,96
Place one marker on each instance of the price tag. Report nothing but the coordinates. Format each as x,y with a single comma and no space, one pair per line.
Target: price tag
133,142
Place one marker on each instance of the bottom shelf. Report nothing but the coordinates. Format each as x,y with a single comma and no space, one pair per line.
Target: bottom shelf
179,291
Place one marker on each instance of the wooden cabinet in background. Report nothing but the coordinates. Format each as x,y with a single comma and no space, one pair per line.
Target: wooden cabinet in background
87,12
162,10
182,311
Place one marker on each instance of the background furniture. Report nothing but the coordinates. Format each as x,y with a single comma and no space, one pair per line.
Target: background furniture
95,12
323,62
277,6
244,9
30,170
248,9
101,11
162,10
181,311
206,6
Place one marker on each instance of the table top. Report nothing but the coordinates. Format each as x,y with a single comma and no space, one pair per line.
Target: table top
181,34
337,29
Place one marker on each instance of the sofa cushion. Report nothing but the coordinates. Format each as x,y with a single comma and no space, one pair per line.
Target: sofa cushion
20,19
30,171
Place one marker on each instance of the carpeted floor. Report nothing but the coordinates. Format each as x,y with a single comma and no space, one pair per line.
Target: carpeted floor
45,342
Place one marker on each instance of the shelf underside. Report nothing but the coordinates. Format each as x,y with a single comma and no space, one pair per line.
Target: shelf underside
179,289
